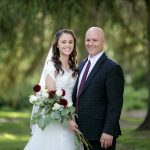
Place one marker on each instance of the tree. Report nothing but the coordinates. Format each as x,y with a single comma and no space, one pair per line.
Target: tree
27,29
146,124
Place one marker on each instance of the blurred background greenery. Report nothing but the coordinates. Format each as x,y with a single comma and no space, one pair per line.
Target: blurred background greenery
27,28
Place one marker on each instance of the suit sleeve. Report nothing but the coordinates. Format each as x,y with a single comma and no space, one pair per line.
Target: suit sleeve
114,91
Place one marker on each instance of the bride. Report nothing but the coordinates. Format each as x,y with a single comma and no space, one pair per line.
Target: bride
59,72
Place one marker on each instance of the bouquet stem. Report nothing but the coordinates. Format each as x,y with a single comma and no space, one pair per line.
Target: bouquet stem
82,139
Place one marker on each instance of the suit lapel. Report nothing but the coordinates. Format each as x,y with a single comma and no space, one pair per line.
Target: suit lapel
94,71
82,65
80,69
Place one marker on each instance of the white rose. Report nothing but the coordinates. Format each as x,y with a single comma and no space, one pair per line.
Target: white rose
38,95
56,106
33,99
45,95
44,90
59,92
70,104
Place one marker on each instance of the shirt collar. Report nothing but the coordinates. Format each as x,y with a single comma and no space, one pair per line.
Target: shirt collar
96,57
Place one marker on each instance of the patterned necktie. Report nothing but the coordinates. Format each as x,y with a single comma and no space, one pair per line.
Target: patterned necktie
82,83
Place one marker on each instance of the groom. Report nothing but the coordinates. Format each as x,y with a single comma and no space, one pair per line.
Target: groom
98,94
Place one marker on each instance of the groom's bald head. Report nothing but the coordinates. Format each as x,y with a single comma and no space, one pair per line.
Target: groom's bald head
94,40
96,30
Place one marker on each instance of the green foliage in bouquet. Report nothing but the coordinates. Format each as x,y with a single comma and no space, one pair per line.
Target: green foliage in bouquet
51,107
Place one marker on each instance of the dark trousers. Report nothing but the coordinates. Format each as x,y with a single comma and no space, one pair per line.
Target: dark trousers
97,146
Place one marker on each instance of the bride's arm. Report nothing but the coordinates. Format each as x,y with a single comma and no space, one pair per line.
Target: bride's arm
50,83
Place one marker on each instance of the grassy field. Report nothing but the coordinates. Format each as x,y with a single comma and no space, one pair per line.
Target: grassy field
15,131
132,139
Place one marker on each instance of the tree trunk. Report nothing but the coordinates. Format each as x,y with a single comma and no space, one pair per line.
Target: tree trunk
146,124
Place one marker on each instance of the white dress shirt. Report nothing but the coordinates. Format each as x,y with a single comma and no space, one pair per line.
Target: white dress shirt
93,61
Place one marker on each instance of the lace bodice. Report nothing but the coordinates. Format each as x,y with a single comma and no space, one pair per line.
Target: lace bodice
65,81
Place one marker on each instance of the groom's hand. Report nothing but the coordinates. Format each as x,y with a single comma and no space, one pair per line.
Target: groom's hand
106,140
73,126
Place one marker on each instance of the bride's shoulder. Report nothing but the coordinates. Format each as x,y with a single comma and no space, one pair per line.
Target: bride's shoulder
49,69
50,64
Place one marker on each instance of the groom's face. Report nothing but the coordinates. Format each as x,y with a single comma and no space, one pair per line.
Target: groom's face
94,42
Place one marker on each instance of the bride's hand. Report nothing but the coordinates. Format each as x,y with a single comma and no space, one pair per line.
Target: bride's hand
73,126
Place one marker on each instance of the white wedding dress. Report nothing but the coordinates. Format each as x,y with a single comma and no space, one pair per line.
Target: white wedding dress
55,136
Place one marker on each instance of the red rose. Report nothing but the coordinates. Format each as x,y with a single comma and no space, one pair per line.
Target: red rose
63,102
37,88
52,94
64,92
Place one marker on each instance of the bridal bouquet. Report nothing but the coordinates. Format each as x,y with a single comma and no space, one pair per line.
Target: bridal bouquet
53,108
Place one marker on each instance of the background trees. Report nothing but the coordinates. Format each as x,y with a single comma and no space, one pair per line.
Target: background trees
27,28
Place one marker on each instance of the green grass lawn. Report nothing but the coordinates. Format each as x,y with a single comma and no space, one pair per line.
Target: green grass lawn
15,132
132,139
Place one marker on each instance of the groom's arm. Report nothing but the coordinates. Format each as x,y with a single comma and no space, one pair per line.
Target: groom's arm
114,90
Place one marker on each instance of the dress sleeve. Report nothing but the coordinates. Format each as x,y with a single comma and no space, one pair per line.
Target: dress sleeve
50,70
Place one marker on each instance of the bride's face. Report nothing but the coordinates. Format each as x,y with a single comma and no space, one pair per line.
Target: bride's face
65,44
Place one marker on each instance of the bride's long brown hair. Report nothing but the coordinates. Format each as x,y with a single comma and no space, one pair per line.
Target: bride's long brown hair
72,57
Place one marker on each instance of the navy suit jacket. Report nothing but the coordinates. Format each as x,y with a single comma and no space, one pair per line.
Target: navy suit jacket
101,99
